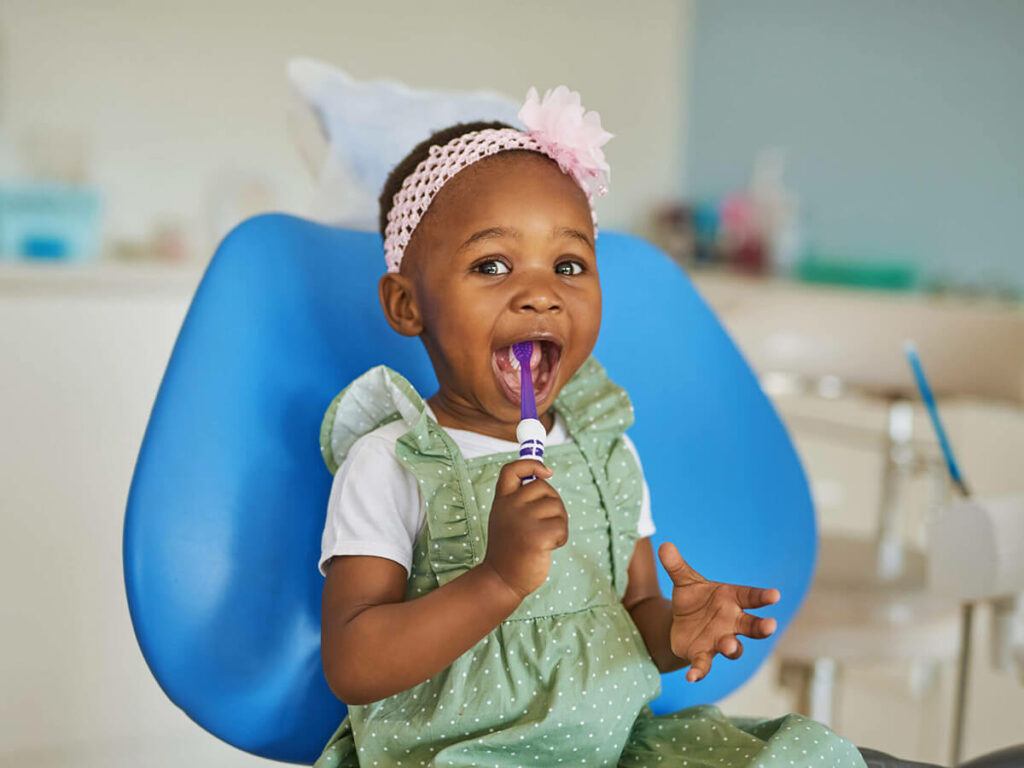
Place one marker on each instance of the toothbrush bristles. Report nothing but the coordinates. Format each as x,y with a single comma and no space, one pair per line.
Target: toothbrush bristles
523,353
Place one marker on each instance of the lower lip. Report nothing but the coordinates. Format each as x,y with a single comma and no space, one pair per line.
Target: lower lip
540,395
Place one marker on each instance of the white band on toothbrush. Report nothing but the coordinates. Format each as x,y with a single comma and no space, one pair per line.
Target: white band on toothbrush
531,436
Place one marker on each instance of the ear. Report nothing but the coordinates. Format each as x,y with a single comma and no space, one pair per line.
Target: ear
398,298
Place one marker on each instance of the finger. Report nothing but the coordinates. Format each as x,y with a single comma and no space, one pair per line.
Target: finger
549,509
534,492
755,597
554,532
543,509
677,568
757,627
730,647
513,474
700,665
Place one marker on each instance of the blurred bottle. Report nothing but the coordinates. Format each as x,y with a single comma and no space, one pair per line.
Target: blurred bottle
671,228
686,232
741,238
777,211
48,210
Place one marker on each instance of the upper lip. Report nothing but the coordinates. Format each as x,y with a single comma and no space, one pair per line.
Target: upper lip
544,335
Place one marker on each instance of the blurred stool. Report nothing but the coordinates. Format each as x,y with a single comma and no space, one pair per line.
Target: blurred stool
850,615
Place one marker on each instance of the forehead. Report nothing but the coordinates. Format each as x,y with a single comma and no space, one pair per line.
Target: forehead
519,189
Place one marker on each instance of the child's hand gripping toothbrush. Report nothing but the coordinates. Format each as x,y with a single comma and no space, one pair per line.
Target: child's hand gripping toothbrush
530,433
525,524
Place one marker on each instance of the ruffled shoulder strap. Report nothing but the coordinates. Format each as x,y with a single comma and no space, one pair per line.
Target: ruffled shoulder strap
380,396
597,412
590,402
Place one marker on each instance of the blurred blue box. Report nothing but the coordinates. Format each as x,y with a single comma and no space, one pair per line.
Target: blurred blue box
45,220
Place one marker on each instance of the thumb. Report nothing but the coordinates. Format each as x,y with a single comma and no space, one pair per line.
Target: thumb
673,563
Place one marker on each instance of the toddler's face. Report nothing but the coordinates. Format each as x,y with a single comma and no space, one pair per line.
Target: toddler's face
505,254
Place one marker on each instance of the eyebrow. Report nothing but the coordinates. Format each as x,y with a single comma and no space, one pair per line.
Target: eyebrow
495,233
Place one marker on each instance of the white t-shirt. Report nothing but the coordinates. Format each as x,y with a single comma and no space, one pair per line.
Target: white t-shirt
376,507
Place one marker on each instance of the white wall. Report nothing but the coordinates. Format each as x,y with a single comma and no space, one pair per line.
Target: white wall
175,94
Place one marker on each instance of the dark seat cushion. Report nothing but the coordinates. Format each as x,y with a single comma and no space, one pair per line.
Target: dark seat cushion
1011,757
876,759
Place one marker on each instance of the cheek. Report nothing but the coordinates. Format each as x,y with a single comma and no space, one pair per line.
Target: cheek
587,312
463,315
461,326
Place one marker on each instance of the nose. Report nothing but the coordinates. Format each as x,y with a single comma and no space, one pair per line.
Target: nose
537,292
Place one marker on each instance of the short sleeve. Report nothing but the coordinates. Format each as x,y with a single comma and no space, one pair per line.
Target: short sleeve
375,506
645,526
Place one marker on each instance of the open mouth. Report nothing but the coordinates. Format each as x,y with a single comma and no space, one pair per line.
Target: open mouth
543,367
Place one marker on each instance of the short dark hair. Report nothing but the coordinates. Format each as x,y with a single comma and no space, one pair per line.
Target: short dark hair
418,154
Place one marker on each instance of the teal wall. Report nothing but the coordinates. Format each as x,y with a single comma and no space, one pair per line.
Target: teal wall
903,122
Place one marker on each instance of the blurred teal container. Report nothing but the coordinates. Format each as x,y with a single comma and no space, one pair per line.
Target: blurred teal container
55,222
885,275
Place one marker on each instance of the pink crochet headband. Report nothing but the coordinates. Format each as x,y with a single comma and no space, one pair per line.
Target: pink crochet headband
557,127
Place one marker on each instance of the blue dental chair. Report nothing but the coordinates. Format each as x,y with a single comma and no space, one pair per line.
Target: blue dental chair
227,504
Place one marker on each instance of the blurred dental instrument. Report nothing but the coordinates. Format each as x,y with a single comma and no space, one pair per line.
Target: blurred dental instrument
933,412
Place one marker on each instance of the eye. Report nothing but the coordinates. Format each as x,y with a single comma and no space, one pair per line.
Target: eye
491,267
569,267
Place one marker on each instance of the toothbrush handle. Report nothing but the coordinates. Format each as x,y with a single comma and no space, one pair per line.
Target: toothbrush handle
531,434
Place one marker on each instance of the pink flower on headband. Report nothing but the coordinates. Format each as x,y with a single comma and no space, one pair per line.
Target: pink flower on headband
570,135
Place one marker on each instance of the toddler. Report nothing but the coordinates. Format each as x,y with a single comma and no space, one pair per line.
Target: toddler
470,619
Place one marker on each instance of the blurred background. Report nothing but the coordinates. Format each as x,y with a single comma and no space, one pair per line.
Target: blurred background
836,177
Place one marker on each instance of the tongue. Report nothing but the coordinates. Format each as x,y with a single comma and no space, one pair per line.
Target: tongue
509,369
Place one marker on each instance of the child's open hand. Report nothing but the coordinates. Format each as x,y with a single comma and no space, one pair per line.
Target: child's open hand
526,523
707,615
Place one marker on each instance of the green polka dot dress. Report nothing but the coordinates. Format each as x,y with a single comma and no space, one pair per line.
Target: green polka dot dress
566,679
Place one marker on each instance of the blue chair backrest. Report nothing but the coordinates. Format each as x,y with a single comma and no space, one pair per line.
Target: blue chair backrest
227,504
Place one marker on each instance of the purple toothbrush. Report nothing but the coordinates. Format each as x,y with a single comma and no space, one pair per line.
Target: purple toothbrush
530,432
